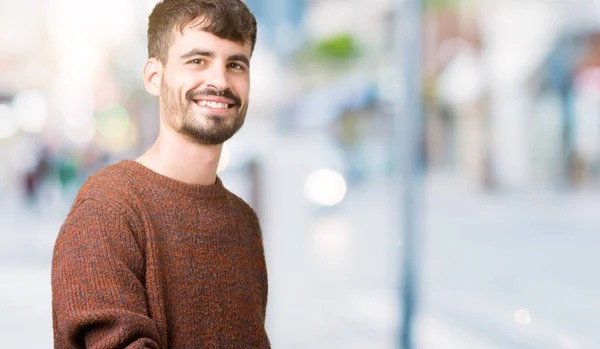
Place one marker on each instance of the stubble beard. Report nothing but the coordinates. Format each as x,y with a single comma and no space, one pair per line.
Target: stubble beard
213,130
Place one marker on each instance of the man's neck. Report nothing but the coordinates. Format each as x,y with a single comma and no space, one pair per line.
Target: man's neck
175,157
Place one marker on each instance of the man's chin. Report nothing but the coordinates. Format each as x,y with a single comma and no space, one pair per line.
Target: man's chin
211,131
204,138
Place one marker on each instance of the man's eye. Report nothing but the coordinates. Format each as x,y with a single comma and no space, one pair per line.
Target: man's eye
236,66
197,61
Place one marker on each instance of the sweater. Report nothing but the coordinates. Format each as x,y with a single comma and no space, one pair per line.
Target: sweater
146,261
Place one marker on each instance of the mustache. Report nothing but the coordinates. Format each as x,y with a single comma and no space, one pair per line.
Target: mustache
191,95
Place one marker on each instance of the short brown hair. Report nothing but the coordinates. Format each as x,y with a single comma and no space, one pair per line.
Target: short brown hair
227,19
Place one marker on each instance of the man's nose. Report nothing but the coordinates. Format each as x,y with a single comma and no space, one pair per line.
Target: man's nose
217,78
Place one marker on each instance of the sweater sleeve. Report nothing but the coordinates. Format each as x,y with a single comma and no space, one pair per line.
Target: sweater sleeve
98,295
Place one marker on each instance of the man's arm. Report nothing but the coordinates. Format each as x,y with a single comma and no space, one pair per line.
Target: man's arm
98,295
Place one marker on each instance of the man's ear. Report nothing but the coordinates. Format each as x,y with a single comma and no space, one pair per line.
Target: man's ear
153,76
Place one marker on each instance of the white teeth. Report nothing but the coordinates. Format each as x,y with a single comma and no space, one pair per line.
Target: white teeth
216,105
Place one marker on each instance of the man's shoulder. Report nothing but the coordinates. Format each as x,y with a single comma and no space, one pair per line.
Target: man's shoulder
108,196
241,205
113,183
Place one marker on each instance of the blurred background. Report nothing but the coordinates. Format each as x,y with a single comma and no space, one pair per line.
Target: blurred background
505,180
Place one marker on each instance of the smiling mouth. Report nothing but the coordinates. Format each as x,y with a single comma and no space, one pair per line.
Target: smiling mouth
214,105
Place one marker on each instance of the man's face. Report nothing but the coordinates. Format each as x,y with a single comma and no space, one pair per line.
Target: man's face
205,86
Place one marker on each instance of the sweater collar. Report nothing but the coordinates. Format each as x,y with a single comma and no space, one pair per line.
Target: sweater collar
212,191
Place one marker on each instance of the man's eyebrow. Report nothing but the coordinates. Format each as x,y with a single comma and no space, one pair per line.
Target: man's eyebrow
198,52
240,58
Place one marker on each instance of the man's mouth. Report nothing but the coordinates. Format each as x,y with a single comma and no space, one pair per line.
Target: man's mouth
214,105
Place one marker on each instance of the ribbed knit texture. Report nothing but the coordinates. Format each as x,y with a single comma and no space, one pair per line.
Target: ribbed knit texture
145,261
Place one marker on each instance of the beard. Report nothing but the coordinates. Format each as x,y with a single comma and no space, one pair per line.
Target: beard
201,128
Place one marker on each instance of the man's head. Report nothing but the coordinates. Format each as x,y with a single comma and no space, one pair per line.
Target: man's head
199,60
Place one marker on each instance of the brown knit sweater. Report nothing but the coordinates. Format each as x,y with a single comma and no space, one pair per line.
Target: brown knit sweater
145,261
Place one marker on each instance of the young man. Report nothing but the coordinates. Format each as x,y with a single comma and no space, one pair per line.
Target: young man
156,253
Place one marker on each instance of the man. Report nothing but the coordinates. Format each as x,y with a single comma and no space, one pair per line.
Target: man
156,253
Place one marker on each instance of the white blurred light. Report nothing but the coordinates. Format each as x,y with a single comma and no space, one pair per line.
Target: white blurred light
330,17
114,21
109,21
224,160
31,112
77,112
325,187
509,26
80,60
81,134
522,317
266,73
8,127
462,80
332,239
17,35
150,4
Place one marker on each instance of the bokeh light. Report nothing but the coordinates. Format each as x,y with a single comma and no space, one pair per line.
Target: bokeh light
522,317
8,126
81,133
30,111
325,187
